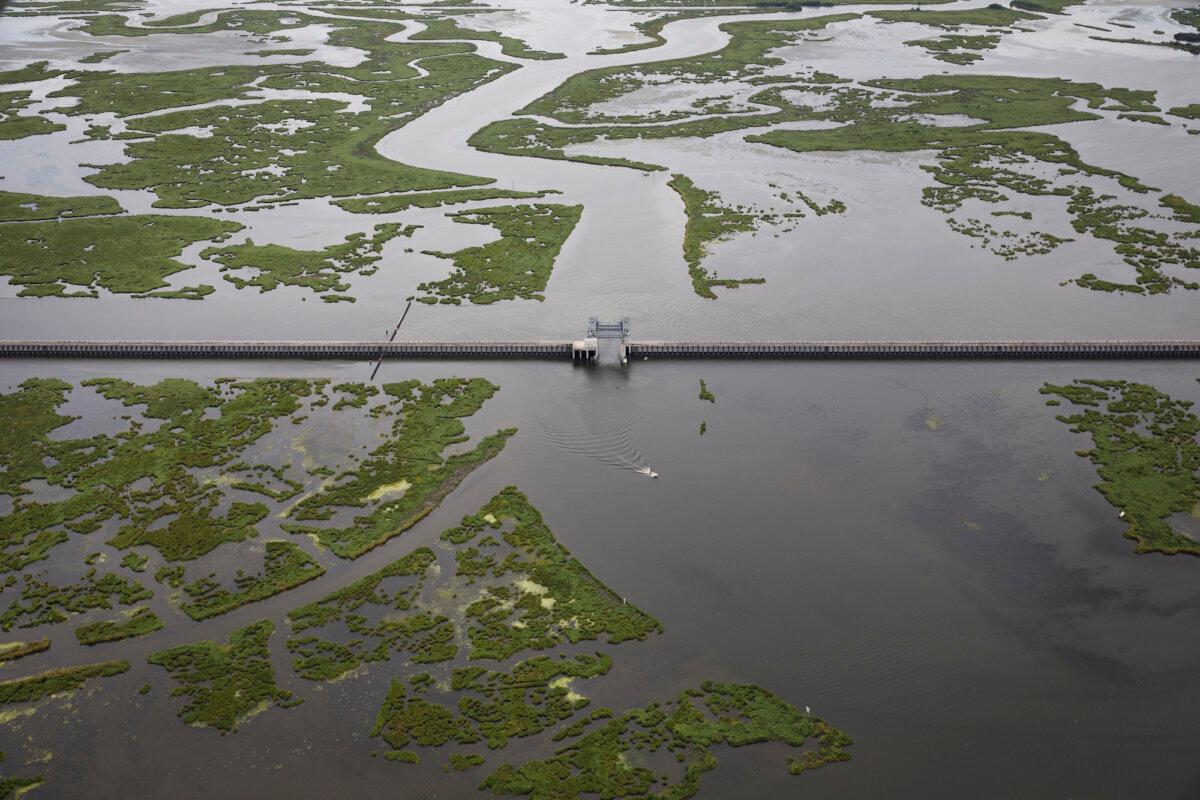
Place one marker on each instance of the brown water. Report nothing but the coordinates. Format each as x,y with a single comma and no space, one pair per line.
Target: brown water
968,623
911,549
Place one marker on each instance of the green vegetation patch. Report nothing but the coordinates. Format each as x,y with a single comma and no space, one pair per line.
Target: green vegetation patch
758,5
16,788
652,29
244,20
998,102
976,124
135,561
491,706
461,762
746,57
14,124
324,270
1145,448
20,207
517,265
139,623
956,48
392,203
993,16
377,616
1183,210
446,28
100,56
705,394
604,762
55,681
1045,6
408,475
173,479
708,221
283,149
42,603
285,566
142,475
77,257
519,590
987,160
225,684
11,651
548,597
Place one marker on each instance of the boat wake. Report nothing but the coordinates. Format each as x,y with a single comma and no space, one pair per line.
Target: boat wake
605,440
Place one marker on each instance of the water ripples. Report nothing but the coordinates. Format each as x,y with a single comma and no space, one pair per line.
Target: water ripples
603,433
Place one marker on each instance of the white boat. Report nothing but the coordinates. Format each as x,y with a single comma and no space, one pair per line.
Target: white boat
649,473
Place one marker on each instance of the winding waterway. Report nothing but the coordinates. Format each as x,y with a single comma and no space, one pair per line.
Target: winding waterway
889,268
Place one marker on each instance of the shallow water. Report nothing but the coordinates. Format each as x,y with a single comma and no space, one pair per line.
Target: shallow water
911,549
888,267
959,600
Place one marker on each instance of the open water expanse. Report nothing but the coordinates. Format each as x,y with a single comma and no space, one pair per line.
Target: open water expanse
913,550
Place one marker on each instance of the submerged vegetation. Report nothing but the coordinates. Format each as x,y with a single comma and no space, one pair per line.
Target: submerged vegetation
225,684
173,480
1146,452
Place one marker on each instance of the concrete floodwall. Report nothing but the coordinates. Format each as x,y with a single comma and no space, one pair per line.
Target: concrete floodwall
810,350
915,350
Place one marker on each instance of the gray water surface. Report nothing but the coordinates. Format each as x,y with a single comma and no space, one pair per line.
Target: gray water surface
913,550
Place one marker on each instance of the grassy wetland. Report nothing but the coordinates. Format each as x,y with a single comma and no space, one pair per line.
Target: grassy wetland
223,684
1144,446
500,648
517,265
982,129
454,579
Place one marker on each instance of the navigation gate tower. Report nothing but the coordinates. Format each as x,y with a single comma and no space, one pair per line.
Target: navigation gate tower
588,349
